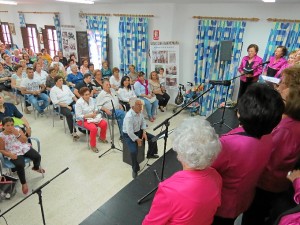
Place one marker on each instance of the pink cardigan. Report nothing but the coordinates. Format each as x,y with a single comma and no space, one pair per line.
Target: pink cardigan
240,163
276,65
189,197
257,60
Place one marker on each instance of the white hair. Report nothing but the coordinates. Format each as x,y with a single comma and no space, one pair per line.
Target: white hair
72,66
132,101
196,143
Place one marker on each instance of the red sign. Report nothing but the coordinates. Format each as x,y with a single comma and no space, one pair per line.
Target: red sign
156,35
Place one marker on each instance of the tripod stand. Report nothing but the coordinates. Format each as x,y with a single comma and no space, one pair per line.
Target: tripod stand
37,191
112,134
166,123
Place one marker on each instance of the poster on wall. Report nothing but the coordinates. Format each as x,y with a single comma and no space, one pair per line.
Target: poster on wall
165,55
69,42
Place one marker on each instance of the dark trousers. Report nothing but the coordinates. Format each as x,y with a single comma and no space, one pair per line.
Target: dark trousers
126,105
163,99
20,163
267,206
133,148
223,221
69,117
243,87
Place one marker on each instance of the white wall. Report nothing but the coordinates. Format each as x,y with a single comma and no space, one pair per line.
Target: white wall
174,21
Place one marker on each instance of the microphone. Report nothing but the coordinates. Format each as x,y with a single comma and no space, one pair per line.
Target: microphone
266,62
220,82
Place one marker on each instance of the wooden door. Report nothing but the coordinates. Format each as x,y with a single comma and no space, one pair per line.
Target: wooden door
82,45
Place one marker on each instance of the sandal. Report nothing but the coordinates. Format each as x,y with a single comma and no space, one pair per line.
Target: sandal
40,170
75,136
94,149
161,108
103,141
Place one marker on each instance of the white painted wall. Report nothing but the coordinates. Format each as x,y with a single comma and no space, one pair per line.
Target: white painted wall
173,20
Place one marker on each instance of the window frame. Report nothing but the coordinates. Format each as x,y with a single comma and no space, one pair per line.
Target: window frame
6,37
51,42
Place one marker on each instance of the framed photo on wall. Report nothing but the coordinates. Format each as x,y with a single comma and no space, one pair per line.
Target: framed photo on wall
12,28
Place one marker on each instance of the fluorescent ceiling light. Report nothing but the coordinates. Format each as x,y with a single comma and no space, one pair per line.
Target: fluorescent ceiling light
77,1
8,2
269,0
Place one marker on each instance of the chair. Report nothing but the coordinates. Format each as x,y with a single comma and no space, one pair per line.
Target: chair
18,96
7,164
82,129
56,111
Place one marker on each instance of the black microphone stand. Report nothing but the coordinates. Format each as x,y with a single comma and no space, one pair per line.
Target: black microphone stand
113,116
37,191
166,123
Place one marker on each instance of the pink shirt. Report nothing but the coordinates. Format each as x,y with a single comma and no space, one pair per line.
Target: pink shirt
189,197
257,60
278,74
285,154
293,219
240,163
276,65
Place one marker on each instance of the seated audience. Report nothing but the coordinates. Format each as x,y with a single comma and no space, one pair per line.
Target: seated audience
87,82
73,57
125,92
61,95
32,55
60,65
14,145
50,81
16,80
246,150
33,88
62,59
106,72
159,91
84,66
285,154
28,61
134,133
8,64
133,75
250,68
115,79
46,56
162,76
16,57
190,196
70,63
44,62
39,73
5,80
75,77
91,69
276,62
86,109
104,102
143,91
97,81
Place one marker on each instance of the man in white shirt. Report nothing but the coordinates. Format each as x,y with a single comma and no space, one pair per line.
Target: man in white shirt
104,102
33,88
134,134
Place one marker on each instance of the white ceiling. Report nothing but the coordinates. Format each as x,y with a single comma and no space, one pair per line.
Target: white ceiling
158,1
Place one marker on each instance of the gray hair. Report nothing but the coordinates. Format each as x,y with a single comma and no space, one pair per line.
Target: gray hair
132,101
72,66
196,143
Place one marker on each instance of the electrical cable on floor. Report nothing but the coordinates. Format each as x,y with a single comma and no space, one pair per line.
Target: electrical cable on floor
5,220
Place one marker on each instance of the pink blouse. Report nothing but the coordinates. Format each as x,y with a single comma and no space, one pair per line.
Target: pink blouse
258,69
277,65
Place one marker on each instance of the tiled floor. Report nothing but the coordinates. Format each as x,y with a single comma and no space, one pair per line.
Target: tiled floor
88,183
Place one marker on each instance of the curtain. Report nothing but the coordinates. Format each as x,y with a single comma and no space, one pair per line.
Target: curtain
286,34
133,43
97,38
58,30
207,61
22,20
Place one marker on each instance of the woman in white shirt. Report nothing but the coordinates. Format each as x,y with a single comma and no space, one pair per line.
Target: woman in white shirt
125,93
62,95
86,110
115,79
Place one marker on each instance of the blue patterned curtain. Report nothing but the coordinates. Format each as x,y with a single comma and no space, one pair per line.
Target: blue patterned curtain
58,30
286,34
207,61
133,43
22,20
97,38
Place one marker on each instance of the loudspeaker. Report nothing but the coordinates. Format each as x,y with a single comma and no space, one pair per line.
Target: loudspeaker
225,50
127,156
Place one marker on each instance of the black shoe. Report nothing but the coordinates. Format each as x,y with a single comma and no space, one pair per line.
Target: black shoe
134,174
152,156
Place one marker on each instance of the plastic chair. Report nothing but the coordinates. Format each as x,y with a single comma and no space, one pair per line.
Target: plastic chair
56,111
7,164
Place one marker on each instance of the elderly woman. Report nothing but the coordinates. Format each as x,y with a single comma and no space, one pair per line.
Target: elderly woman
125,92
143,91
290,63
28,61
86,110
115,79
106,72
14,145
190,196
97,81
84,68
159,91
276,62
5,79
62,95
75,77
285,153
133,75
250,68
259,111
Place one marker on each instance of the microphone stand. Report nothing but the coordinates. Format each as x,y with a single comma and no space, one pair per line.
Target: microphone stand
113,115
166,123
37,191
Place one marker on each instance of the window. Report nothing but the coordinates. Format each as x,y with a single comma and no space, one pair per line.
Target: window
30,37
5,35
51,43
